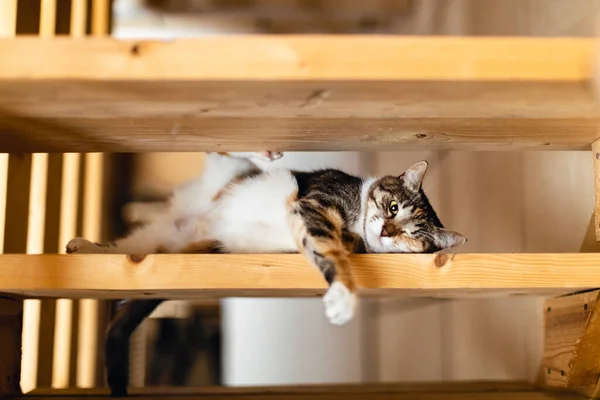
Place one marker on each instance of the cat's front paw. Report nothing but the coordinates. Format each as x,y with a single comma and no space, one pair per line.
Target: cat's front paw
80,245
340,304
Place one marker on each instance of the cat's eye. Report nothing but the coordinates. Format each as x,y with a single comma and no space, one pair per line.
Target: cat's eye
393,208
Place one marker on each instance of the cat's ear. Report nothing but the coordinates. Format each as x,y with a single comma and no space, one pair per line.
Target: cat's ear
413,177
445,239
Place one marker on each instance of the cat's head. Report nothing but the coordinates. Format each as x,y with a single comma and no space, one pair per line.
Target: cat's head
400,219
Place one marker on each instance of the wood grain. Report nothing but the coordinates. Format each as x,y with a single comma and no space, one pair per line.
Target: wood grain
11,323
297,93
277,275
300,57
113,116
424,391
567,358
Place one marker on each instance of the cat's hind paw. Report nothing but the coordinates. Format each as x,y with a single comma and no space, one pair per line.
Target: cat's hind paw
340,304
81,246
271,155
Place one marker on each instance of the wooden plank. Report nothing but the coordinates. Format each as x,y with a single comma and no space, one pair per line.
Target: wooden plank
297,93
353,396
471,391
211,116
298,57
287,275
11,323
360,388
570,359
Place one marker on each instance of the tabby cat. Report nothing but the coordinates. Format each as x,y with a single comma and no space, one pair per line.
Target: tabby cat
235,207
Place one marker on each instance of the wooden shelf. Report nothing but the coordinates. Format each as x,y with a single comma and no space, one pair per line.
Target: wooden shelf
422,391
296,93
289,275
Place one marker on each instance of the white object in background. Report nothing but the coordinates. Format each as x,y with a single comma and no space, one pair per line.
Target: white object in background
290,341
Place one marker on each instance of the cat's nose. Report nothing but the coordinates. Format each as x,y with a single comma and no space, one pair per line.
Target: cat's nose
387,230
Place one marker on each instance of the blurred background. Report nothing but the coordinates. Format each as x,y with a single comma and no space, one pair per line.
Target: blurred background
502,201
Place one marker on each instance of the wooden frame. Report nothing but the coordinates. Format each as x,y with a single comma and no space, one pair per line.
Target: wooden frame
295,93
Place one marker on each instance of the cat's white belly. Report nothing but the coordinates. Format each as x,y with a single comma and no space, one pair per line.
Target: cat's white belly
253,216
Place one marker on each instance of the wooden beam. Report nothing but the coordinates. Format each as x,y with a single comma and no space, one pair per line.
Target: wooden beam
289,275
422,391
11,324
297,93
48,18
8,18
571,333
298,57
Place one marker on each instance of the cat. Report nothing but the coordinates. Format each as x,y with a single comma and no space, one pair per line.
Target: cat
236,207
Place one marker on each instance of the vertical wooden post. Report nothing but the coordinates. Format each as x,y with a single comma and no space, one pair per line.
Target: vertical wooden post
64,307
596,158
36,229
87,344
48,18
35,245
8,28
11,322
61,363
78,18
8,18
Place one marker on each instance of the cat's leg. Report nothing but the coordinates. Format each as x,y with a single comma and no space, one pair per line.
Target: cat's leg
319,234
166,234
116,348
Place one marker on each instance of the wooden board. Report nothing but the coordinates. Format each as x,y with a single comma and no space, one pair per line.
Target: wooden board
423,391
297,93
278,275
571,357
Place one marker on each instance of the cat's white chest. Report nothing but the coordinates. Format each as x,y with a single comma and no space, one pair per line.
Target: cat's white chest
253,216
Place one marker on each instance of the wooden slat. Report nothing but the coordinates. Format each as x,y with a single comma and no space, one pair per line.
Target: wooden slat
78,18
8,18
89,308
35,245
201,276
48,18
297,57
297,93
470,391
8,28
211,116
64,307
100,17
87,345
